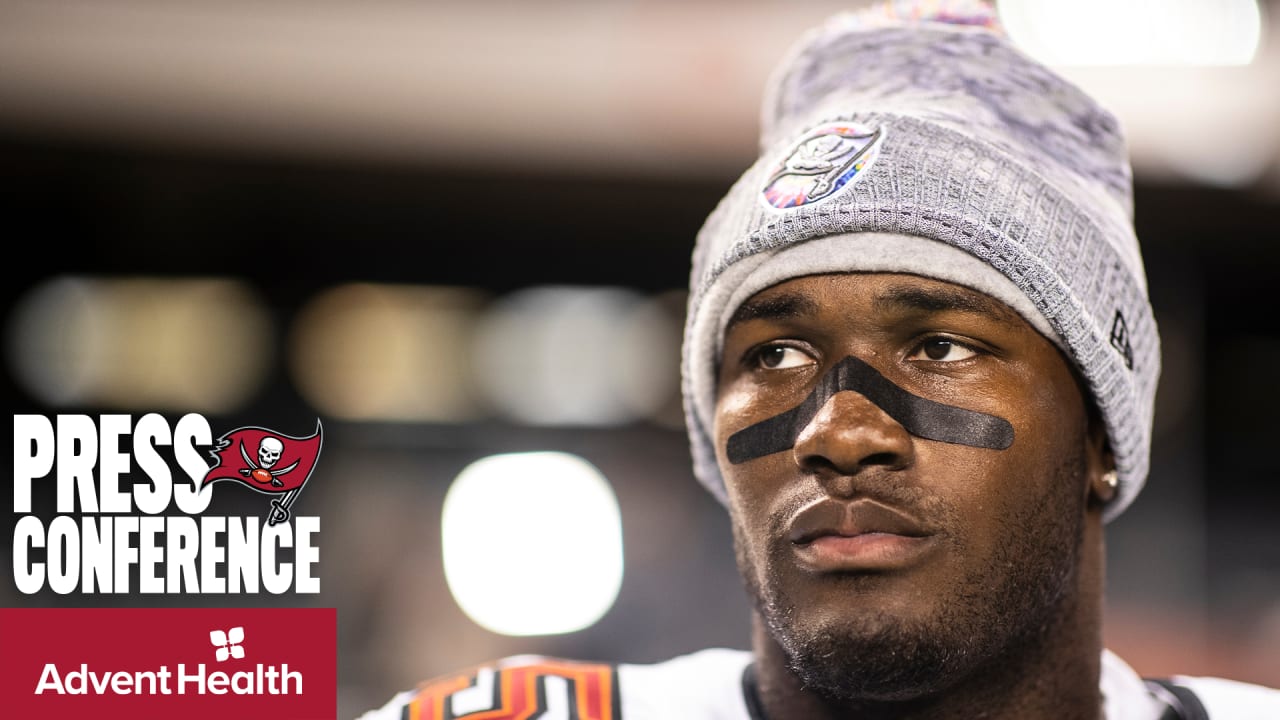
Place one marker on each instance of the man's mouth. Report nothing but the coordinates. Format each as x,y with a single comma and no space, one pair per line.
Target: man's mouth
858,536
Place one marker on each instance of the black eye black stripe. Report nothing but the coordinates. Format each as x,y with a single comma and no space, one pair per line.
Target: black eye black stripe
923,418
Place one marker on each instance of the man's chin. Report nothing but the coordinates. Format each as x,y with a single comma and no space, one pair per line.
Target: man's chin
875,657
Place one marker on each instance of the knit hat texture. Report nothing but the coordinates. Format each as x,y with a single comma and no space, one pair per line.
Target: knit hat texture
896,140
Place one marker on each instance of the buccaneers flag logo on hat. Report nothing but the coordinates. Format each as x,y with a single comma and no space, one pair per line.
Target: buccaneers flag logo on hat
267,461
821,163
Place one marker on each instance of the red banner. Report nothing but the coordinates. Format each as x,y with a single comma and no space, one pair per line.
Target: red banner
189,663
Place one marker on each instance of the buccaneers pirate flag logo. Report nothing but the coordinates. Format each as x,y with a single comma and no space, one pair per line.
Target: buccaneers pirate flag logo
267,461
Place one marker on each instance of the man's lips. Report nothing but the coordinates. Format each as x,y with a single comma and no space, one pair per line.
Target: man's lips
851,519
860,535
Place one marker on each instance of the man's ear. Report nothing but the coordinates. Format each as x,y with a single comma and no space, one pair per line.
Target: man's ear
1102,486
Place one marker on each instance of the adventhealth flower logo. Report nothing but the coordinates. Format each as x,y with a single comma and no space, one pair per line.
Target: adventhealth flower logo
227,643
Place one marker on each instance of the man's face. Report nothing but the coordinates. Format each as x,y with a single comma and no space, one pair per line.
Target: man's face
885,565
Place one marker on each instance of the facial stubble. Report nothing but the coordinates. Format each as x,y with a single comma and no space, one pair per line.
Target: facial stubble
996,614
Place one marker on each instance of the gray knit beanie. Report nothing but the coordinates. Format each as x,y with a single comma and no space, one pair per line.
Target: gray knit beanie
896,141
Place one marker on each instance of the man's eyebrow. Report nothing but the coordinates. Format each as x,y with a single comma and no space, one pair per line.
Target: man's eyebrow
774,307
943,300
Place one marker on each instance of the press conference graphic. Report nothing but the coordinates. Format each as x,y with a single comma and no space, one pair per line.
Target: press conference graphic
120,505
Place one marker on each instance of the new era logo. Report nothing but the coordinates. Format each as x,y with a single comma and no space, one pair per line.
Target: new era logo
228,643
1120,339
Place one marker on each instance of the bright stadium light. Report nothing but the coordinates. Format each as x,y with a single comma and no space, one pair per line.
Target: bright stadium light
532,543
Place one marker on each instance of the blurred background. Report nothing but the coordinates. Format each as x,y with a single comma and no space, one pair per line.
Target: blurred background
452,230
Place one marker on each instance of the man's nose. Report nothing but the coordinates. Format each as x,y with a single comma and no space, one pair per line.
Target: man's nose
849,434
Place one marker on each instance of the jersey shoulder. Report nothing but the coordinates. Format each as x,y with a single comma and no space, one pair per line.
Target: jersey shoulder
704,685
1225,698
520,686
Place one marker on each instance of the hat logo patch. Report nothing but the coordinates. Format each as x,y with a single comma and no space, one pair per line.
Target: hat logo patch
821,163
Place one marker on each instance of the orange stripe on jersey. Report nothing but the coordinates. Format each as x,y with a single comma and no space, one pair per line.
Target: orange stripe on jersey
428,704
517,692
513,700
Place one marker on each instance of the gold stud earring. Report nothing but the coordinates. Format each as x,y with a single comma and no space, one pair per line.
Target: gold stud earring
1111,479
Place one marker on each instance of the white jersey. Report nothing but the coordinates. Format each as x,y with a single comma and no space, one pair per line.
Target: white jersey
709,685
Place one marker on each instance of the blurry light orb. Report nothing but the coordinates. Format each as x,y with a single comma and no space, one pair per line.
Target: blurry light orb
56,333
532,543
595,356
646,357
150,343
364,351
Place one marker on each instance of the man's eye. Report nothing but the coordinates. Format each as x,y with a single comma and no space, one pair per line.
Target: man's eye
942,350
781,357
